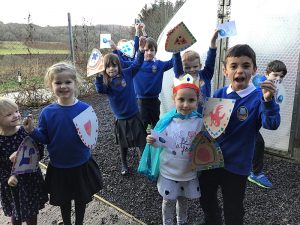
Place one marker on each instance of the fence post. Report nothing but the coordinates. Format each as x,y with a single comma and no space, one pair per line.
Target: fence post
71,39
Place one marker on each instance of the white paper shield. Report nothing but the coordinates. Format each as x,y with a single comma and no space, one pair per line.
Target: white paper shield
104,40
280,94
87,127
95,63
127,48
227,29
27,157
217,112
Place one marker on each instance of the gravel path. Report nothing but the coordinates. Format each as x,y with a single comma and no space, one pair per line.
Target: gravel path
139,197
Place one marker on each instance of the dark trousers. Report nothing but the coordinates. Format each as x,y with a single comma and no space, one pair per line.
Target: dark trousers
149,110
258,157
233,188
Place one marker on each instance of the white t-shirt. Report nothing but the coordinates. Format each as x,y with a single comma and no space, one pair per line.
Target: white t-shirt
175,163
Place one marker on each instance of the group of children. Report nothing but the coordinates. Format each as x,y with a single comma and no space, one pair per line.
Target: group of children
133,88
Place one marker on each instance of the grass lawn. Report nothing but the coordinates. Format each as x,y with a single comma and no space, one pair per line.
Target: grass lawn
15,47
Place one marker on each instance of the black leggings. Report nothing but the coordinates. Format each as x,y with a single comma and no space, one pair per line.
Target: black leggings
31,221
79,212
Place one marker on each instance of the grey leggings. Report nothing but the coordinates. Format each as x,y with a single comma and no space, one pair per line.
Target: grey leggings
168,211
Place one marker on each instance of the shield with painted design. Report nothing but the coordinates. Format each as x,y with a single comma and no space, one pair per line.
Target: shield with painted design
27,157
216,115
179,39
127,48
95,63
205,153
86,124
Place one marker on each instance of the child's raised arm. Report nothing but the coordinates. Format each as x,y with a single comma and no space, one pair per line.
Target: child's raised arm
213,40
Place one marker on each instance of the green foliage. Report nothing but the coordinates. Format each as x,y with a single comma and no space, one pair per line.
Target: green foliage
158,15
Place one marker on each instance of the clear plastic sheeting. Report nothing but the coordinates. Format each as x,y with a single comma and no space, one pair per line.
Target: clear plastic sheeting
200,17
272,29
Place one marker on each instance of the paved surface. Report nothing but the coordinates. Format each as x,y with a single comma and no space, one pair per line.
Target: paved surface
98,212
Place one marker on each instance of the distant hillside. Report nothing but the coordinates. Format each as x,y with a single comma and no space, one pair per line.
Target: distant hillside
32,32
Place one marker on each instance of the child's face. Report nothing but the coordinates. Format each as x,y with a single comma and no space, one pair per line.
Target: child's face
186,101
192,67
10,118
239,71
112,70
275,76
63,86
149,53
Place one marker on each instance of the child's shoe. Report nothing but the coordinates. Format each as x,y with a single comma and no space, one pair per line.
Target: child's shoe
260,180
124,170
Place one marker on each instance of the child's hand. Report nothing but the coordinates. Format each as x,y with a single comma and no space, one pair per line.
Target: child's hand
12,181
112,45
150,139
13,156
28,123
268,89
142,43
142,27
214,39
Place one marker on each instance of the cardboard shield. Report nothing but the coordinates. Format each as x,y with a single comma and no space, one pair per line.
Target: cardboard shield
87,127
27,157
217,112
95,63
127,48
179,39
205,153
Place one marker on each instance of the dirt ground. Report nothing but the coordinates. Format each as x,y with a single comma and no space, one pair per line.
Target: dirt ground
139,197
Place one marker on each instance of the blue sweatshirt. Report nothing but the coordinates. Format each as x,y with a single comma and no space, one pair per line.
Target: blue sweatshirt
250,112
205,75
148,81
120,91
57,130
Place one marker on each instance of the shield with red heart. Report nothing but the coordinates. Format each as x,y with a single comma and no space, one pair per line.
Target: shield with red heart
86,124
205,153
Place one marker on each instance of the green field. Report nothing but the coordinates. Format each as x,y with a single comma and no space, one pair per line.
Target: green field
16,48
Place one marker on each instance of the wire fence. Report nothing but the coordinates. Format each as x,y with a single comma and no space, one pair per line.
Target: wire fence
23,63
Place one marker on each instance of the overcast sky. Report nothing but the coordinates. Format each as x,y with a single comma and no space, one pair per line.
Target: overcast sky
54,12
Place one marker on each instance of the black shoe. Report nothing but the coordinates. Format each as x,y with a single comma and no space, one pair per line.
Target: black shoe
124,170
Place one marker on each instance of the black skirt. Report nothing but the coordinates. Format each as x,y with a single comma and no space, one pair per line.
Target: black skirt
130,132
77,183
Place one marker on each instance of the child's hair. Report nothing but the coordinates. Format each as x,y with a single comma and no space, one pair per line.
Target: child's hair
151,43
190,55
276,66
241,50
110,59
59,68
7,104
121,41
